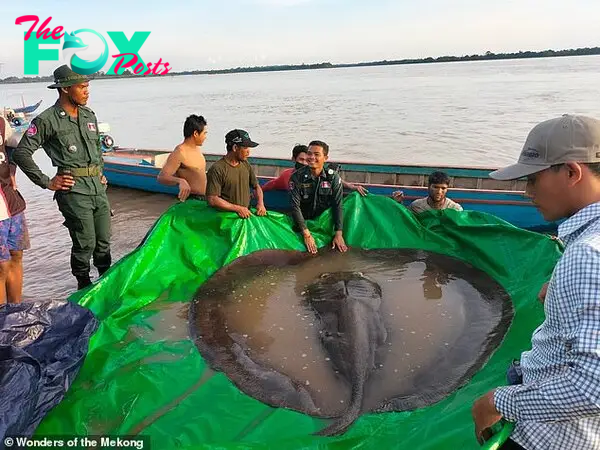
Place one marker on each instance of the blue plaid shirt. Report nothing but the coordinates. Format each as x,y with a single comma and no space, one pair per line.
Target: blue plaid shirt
558,404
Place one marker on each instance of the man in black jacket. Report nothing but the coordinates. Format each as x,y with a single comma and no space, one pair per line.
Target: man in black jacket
313,190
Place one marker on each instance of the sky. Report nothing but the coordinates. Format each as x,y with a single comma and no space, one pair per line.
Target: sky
201,35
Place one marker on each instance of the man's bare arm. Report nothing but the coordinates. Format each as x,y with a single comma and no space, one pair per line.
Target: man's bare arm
167,173
355,187
217,202
259,195
260,204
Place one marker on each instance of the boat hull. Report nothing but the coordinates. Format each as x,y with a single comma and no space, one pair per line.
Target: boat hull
129,168
28,109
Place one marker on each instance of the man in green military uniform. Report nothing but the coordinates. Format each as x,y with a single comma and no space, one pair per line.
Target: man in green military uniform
68,132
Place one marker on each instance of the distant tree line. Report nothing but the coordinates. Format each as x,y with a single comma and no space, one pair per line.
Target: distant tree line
326,65
50,78
486,56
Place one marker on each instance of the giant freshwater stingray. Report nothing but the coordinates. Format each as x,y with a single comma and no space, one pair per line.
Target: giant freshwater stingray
338,335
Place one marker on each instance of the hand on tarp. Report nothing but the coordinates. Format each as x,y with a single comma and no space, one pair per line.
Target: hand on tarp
338,241
485,415
243,212
356,187
361,190
309,241
261,210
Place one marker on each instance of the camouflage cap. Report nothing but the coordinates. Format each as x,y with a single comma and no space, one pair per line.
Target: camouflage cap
64,76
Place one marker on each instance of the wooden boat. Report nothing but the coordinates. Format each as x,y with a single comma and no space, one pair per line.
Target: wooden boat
470,186
28,109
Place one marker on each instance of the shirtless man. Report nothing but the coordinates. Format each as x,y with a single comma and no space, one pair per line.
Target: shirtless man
186,165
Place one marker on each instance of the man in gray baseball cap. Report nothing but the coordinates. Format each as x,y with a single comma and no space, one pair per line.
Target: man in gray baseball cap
556,141
558,155
556,404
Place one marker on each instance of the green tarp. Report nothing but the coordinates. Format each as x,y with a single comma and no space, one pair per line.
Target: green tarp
143,375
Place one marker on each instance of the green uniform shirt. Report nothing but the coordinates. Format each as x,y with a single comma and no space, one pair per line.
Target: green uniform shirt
310,196
231,183
68,142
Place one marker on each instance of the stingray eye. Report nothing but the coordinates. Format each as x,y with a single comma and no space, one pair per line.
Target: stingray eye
360,274
325,275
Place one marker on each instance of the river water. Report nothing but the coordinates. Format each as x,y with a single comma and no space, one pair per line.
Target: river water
468,113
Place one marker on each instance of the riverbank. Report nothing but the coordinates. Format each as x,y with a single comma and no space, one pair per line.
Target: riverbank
585,51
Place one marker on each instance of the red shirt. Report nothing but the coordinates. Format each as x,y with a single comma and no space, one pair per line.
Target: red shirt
280,183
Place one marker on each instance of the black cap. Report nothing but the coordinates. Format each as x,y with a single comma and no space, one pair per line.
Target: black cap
239,137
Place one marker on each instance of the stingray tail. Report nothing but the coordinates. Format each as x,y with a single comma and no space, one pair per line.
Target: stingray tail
340,425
